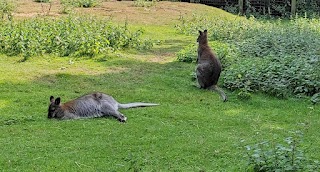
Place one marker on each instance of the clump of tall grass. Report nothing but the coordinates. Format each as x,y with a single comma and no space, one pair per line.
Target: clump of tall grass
144,3
7,7
81,3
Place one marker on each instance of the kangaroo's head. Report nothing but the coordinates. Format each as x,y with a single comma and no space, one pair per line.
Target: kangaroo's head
202,38
53,107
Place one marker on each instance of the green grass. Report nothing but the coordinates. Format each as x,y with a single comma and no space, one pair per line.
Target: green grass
191,130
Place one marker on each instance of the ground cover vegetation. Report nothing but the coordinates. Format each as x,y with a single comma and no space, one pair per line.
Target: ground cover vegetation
67,36
284,156
191,130
81,3
6,9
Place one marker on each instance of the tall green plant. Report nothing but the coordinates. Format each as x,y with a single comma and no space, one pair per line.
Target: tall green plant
42,1
144,3
86,3
288,156
67,4
68,36
7,7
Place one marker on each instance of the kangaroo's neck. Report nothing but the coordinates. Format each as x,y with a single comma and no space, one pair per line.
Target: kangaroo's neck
203,45
204,52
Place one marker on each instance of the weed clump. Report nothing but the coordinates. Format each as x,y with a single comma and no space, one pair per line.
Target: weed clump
68,36
7,7
287,156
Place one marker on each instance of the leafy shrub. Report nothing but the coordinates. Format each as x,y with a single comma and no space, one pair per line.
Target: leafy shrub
67,4
279,58
188,54
144,3
277,76
269,157
69,36
6,9
87,3
244,95
315,98
44,1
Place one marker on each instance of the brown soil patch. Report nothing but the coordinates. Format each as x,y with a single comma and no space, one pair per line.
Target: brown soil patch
162,12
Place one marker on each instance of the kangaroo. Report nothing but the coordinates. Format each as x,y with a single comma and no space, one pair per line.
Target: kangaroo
90,106
209,67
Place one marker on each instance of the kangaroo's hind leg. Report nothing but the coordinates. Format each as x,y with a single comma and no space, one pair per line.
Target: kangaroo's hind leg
116,114
119,116
108,110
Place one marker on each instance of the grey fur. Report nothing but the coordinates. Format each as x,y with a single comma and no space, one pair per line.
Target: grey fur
90,106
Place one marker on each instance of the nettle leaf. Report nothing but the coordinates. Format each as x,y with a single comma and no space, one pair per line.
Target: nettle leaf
266,156
68,36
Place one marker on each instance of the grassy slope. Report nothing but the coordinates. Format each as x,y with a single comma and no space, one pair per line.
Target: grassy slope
192,130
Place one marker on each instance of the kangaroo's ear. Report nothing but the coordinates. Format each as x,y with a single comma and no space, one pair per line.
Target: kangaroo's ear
200,32
57,101
205,31
51,99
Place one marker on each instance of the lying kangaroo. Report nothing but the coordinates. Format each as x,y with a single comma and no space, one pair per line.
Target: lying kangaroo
209,67
90,106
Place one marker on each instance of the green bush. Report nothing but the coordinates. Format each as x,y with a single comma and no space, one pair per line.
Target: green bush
66,4
288,156
188,54
69,36
279,76
44,1
144,3
86,3
244,95
7,7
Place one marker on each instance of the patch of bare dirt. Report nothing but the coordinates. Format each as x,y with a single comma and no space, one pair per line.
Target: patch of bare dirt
162,12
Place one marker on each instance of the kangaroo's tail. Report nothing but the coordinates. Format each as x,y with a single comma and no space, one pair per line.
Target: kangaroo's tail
136,104
220,91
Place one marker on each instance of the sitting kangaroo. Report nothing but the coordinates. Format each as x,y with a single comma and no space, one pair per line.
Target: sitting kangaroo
209,67
90,106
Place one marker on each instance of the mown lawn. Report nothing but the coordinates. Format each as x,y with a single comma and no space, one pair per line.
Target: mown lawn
191,130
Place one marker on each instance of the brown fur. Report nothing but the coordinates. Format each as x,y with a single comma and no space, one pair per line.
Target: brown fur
209,67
